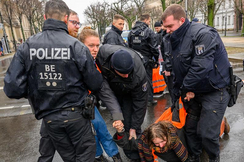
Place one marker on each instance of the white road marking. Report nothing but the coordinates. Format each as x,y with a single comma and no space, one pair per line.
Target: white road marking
25,106
12,107
7,107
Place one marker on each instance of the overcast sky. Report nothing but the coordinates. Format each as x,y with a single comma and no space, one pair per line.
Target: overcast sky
79,6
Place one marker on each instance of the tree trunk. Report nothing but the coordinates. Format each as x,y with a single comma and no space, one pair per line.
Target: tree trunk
22,29
12,31
179,1
211,6
129,24
163,4
31,27
242,31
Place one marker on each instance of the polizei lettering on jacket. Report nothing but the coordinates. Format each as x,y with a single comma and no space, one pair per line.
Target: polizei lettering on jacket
49,54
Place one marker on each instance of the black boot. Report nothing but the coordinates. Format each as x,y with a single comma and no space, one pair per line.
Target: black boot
135,160
101,159
117,158
152,103
217,159
193,158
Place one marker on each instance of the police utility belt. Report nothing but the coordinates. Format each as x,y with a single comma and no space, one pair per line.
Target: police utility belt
88,111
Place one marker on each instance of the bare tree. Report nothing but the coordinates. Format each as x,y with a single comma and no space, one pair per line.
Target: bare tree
19,4
209,9
192,8
155,14
8,12
204,10
91,16
38,18
31,9
129,9
99,16
166,4
239,6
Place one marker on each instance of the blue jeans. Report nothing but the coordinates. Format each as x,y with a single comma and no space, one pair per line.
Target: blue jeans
103,137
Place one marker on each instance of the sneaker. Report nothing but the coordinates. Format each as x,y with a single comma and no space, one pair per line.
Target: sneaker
102,106
101,159
227,126
117,158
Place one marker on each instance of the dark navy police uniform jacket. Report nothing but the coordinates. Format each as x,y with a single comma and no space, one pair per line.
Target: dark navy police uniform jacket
53,70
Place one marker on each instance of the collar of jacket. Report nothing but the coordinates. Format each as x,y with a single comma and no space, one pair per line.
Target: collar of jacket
160,31
52,24
140,23
117,30
177,35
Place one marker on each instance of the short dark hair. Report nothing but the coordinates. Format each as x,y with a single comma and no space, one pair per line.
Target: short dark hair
176,10
56,9
72,12
117,17
144,17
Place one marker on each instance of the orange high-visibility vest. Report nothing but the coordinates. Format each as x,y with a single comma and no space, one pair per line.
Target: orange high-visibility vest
158,81
167,115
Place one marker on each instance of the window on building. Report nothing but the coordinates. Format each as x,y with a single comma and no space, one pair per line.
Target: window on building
217,23
233,19
228,20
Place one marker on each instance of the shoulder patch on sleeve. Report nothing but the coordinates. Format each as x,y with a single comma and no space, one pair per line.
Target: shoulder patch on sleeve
144,87
199,49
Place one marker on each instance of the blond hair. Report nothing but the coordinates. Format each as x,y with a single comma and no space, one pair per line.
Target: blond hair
87,32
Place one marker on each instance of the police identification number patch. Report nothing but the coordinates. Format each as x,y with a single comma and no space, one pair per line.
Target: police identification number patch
199,49
50,76
144,87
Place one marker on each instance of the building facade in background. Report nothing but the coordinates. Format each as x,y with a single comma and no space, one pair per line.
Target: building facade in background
226,18
6,34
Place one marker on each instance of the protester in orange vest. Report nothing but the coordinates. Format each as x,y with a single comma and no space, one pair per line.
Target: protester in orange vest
103,138
160,139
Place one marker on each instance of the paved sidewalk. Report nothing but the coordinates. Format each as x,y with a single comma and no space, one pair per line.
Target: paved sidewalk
233,41
8,55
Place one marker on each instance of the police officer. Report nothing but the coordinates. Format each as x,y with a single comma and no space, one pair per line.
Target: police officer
201,67
161,32
47,148
113,36
126,78
41,71
166,72
142,39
